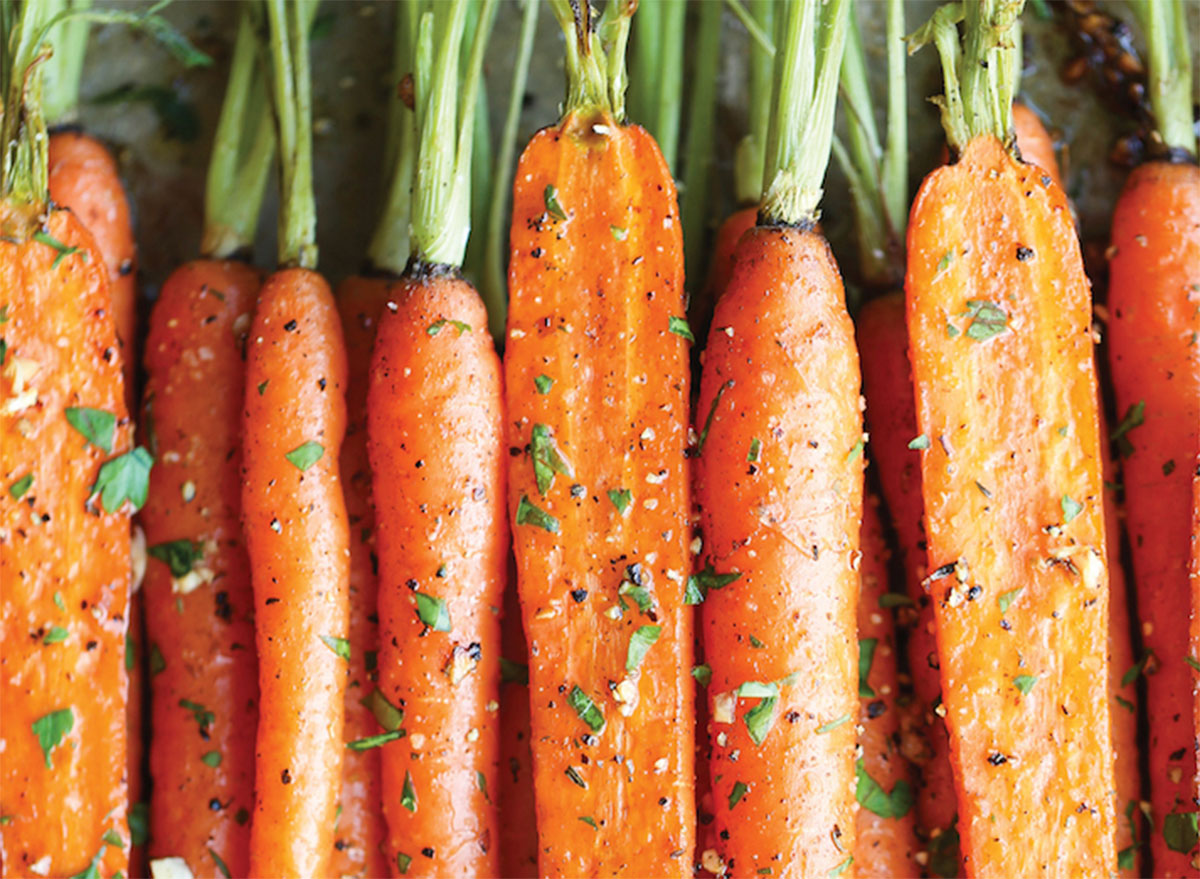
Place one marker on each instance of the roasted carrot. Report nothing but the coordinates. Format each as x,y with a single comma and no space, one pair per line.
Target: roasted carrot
435,439
197,591
999,319
779,484
887,840
1034,142
199,602
1194,575
84,178
293,511
1154,308
70,481
518,831
597,388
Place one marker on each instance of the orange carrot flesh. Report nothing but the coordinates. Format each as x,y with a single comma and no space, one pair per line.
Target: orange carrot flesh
358,843
294,518
597,386
135,725
1034,142
887,840
435,441
518,831
892,419
1154,307
729,233
1194,575
64,561
84,178
198,595
999,320
779,397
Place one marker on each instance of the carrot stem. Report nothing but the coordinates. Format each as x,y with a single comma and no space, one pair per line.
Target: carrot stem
596,78
24,171
805,91
390,245
237,171
1164,22
669,76
757,26
646,43
750,156
63,70
293,112
445,131
700,142
494,282
877,175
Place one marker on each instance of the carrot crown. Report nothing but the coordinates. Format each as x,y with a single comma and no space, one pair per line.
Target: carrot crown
289,25
24,170
878,174
1165,25
445,121
980,72
242,152
64,68
811,36
596,78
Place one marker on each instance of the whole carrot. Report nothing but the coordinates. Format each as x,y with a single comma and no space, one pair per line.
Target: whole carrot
779,481
597,389
887,840
69,483
293,511
999,323
197,590
435,439
1154,308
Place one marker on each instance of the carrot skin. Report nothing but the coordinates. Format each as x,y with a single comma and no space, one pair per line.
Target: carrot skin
358,848
434,436
61,351
887,845
593,296
781,355
1154,308
1035,143
1003,514
1194,578
84,178
202,648
724,250
518,831
298,542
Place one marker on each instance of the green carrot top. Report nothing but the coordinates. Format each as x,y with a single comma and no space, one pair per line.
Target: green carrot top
1165,25
596,76
980,71
810,39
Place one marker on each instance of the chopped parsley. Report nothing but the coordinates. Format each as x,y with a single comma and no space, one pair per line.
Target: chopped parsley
640,642
433,612
305,455
586,708
1180,831
50,730
1071,508
987,319
1024,683
702,674
550,198
528,514
621,499
866,655
178,555
22,485
56,635
212,758
919,442
739,790
755,447
543,383
403,862
872,797
408,794
513,672
389,716
436,327
760,719
220,864
125,478
369,742
546,459
833,724
841,868
96,426
1007,598
702,582
589,821
203,717
679,326
1135,416
712,412
339,646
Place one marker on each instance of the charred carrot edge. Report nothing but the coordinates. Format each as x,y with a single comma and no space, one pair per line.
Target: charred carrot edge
1156,374
887,840
610,635
198,595
999,324
780,549
293,511
69,483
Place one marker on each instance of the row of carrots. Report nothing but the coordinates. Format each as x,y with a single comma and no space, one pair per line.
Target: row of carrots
411,609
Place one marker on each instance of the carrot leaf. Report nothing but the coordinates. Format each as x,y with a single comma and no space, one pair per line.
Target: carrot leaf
178,555
17,489
340,646
872,797
125,478
96,425
305,455
433,612
640,642
1165,24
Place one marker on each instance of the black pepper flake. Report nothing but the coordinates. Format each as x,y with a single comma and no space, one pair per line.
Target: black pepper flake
427,851
475,651
285,777
411,584
214,804
876,708
290,326
271,601
997,759
321,383
1024,254
974,592
419,464
724,834
579,595
578,490
792,716
662,801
